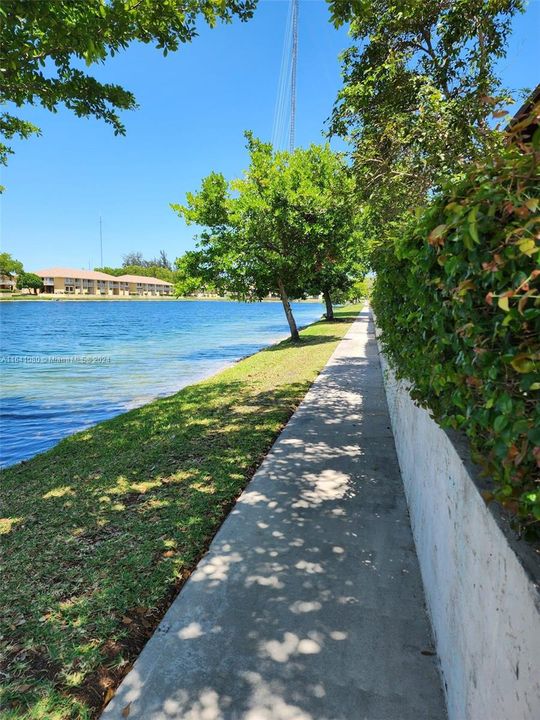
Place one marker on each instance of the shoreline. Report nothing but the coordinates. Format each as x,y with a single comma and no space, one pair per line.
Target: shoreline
144,399
116,298
135,405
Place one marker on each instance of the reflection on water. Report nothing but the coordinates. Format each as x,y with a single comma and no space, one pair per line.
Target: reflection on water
68,365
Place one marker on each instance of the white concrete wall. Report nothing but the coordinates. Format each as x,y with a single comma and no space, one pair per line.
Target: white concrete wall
483,601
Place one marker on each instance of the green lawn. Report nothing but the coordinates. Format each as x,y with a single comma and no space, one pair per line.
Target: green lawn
100,532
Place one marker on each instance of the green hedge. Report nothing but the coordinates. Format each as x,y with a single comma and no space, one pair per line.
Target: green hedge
456,297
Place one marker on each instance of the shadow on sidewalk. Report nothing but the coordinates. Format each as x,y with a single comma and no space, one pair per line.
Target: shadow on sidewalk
309,605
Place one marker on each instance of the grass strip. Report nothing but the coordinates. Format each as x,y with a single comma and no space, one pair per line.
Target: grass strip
100,532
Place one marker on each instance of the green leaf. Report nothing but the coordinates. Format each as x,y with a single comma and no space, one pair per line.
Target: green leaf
500,423
437,233
504,403
472,226
523,363
528,246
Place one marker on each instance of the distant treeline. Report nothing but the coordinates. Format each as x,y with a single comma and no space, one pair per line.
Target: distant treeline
134,264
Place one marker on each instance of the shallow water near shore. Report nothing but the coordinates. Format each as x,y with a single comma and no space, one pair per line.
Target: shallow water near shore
66,366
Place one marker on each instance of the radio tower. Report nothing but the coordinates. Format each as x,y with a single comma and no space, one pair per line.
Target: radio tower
294,56
101,240
283,131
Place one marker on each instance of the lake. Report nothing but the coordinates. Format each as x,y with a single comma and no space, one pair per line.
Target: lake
68,365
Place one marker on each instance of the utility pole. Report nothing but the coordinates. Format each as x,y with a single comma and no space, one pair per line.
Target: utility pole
101,240
294,57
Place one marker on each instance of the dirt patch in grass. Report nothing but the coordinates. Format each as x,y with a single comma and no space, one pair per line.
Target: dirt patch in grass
101,532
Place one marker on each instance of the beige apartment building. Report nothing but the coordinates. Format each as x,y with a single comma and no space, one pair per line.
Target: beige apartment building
8,282
69,281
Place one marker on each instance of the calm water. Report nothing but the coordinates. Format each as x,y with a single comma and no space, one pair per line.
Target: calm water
119,355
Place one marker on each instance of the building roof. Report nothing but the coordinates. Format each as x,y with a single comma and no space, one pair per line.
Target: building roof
142,279
527,107
531,109
74,273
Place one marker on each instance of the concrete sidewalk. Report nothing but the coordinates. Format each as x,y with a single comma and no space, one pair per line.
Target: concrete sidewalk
309,603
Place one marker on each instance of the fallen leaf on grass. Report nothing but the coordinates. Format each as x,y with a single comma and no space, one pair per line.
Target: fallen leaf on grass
487,496
127,620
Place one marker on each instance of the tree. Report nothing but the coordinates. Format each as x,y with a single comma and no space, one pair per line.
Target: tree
274,229
44,44
133,258
419,87
148,270
190,275
342,263
162,261
110,270
9,266
30,281
137,259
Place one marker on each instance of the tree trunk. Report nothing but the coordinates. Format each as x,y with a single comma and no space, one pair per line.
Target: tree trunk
288,312
329,308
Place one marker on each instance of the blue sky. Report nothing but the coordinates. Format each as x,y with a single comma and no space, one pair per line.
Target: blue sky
194,107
